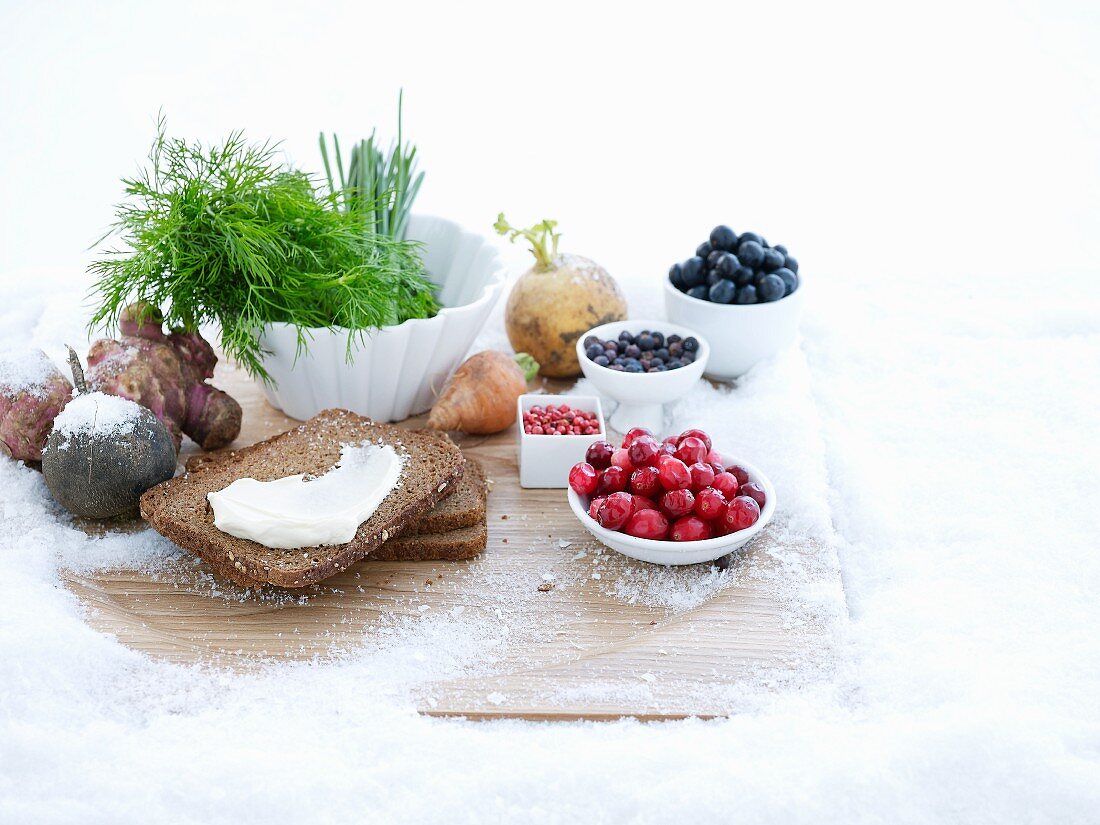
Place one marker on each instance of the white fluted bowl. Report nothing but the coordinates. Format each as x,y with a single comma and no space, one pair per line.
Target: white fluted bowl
394,371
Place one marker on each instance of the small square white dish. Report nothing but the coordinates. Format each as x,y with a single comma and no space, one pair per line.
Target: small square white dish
545,460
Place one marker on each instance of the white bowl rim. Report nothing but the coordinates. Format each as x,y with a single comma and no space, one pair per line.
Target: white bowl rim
669,288
494,282
683,547
701,358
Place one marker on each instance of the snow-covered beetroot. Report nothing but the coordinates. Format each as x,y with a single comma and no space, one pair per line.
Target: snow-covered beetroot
167,374
32,393
647,524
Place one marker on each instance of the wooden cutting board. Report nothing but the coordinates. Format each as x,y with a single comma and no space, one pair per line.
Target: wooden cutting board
547,624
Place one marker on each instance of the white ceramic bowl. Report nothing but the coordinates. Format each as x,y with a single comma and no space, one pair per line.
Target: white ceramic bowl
640,395
678,552
740,335
545,460
395,371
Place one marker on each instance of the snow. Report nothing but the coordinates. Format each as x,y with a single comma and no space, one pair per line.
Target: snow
953,469
96,412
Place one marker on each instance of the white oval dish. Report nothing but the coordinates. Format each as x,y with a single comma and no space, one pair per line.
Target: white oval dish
677,552
395,371
740,334
641,394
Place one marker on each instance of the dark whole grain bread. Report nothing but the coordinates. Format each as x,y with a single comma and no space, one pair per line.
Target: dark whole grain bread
178,508
465,507
453,545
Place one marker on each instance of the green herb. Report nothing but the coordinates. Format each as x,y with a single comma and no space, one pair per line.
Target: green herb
229,235
541,236
381,187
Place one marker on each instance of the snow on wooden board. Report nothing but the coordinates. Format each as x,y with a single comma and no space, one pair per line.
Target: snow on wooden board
554,625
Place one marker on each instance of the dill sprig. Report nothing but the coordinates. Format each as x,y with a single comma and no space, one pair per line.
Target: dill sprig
226,234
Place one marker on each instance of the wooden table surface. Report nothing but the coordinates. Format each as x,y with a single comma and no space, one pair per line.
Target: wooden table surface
560,627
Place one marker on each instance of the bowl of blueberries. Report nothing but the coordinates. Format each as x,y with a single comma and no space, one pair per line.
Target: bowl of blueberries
642,365
742,293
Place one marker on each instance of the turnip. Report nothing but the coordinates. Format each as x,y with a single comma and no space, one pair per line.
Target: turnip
480,398
556,301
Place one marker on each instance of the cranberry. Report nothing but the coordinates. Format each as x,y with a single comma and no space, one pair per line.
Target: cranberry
643,451
740,473
690,528
702,436
726,484
635,433
647,524
621,458
674,473
583,478
612,480
755,492
595,505
676,503
646,481
741,513
599,454
615,511
702,475
710,504
717,459
671,441
691,450
643,503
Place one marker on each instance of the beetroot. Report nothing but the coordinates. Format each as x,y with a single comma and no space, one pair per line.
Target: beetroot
166,374
32,392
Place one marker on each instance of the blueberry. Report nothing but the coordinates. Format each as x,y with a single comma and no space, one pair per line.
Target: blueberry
746,295
703,249
661,352
595,351
714,257
713,277
790,280
674,349
693,272
772,260
632,351
618,359
747,237
676,275
611,346
699,292
673,339
782,250
618,367
657,368
743,276
659,339
727,264
634,367
625,337
722,292
750,253
691,343
592,340
654,361
791,264
687,358
674,364
601,360
646,342
757,277
771,288
722,237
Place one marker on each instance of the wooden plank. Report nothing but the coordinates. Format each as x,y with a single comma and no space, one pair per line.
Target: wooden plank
606,640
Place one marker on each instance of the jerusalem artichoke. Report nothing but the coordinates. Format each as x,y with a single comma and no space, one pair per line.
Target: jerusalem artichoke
32,392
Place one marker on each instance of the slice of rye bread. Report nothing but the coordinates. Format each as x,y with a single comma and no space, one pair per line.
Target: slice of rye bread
453,545
178,508
464,505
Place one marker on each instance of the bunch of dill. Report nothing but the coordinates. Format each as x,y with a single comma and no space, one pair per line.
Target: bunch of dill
226,234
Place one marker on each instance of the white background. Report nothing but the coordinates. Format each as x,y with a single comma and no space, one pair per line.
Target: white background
935,167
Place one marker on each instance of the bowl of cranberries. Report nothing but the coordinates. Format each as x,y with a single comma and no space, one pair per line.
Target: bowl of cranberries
675,501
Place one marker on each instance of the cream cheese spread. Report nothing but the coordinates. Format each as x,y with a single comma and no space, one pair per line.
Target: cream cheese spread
293,512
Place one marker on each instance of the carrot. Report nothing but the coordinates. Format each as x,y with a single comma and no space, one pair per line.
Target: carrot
480,398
